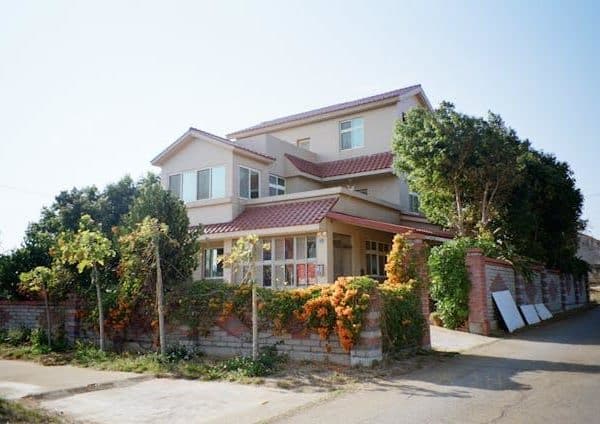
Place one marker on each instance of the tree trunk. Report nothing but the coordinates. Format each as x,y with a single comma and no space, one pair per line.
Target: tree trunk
48,325
100,311
159,299
254,323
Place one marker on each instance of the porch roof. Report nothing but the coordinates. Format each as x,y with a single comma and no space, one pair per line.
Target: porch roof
276,215
385,226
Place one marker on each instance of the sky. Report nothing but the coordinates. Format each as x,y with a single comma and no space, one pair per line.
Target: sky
91,91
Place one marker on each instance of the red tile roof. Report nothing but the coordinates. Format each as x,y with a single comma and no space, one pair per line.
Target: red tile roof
334,168
384,226
329,109
276,215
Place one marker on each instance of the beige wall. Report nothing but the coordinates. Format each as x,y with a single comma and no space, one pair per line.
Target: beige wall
386,187
324,135
300,184
199,154
363,208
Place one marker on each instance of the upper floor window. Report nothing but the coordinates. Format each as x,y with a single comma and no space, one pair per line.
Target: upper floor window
303,143
249,183
351,134
413,202
207,183
276,185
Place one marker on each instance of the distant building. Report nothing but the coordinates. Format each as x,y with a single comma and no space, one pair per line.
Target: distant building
589,251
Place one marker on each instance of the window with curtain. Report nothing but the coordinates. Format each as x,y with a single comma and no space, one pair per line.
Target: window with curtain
276,185
206,183
213,268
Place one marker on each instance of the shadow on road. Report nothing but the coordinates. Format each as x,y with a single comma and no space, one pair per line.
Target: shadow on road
475,372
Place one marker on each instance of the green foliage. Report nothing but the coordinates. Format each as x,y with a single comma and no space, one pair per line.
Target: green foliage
41,279
267,362
181,352
86,249
402,323
450,282
153,201
543,220
463,167
199,304
15,336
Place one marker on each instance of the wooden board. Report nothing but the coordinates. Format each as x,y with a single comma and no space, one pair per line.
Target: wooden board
508,310
542,311
530,314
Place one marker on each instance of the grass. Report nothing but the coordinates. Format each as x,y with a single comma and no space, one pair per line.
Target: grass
17,413
178,363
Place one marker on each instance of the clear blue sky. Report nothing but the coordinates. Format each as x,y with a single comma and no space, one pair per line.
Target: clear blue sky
90,91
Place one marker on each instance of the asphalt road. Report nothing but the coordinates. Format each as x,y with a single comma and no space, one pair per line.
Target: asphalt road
549,374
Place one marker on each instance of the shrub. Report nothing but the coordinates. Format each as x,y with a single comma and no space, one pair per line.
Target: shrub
17,336
265,364
181,352
402,323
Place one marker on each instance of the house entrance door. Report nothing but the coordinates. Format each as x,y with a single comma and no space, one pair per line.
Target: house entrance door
342,255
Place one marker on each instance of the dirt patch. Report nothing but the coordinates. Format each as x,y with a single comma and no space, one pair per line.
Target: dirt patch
307,376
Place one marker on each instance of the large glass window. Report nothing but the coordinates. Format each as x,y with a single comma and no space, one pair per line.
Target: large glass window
351,134
276,185
376,256
288,261
213,267
198,185
249,183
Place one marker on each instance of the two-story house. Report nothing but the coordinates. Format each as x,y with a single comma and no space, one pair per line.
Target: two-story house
317,188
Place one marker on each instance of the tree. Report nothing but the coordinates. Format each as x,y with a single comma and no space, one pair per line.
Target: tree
41,280
107,208
463,167
242,259
87,249
140,250
544,217
153,201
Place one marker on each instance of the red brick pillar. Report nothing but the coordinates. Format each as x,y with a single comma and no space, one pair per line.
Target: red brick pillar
479,322
420,254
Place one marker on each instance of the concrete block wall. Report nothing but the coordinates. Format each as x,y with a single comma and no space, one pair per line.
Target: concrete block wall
228,337
32,314
559,292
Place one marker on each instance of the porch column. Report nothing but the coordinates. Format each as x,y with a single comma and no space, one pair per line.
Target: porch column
227,271
419,252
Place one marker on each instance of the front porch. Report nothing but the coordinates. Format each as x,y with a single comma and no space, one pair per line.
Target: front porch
299,256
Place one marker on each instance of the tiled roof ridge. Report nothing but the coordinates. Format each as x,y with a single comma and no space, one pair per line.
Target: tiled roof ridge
281,214
331,108
354,165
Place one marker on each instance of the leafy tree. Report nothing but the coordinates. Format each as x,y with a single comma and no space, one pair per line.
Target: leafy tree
107,208
153,201
544,216
242,259
87,249
462,166
140,251
41,280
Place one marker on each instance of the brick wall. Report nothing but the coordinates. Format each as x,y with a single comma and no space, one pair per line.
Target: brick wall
559,292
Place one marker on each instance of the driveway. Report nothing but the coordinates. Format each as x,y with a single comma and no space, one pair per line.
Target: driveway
117,397
549,374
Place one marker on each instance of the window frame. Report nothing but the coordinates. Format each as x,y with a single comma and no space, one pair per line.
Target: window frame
296,260
205,273
413,195
381,250
250,170
302,141
277,186
197,172
350,130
